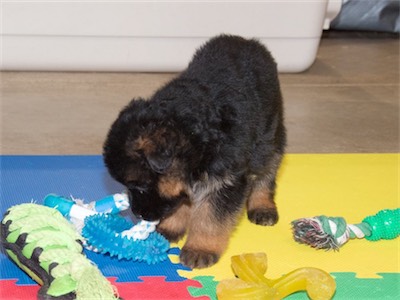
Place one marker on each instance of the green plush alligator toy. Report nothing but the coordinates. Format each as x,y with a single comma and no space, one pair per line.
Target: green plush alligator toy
43,244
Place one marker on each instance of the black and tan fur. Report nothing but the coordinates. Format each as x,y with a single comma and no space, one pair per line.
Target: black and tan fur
203,146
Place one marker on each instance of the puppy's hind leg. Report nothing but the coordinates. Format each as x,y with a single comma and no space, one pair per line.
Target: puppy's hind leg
261,207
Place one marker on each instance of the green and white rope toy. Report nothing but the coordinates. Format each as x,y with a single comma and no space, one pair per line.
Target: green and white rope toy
331,233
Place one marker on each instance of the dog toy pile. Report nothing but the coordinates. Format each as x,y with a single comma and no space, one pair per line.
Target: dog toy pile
252,284
43,244
106,232
331,233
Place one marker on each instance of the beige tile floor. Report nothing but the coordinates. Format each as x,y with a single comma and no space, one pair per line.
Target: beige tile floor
348,101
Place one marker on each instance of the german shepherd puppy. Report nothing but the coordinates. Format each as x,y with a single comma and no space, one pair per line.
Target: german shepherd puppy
204,145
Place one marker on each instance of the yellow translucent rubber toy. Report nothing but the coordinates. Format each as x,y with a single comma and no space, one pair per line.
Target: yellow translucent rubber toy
252,284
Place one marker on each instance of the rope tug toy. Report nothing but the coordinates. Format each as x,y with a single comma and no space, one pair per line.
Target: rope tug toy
106,232
43,244
331,233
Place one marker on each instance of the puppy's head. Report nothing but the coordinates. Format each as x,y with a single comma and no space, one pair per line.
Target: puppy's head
141,151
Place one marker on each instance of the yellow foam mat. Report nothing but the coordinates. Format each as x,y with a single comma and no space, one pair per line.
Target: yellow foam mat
352,186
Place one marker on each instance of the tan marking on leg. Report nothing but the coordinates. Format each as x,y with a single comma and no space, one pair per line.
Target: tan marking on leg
174,227
207,237
215,243
260,197
261,208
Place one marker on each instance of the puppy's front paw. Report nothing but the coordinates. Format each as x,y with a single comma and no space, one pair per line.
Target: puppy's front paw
196,258
263,216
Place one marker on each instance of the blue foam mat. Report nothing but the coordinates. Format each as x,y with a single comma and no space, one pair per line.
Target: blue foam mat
30,178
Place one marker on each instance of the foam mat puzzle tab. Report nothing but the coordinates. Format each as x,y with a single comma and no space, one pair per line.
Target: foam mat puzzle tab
208,287
156,288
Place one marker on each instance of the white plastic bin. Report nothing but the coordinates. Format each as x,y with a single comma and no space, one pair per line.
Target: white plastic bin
152,35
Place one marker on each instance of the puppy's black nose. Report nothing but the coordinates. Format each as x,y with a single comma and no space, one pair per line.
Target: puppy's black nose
150,216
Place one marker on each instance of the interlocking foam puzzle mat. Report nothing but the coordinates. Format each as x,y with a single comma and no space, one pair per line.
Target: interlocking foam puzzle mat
349,185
